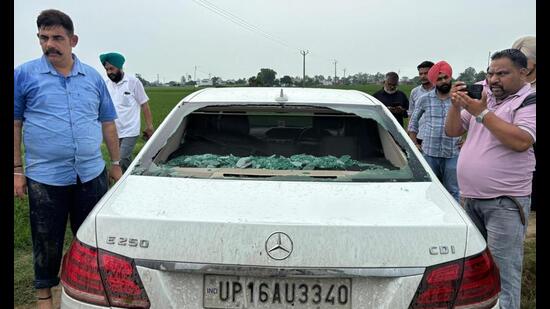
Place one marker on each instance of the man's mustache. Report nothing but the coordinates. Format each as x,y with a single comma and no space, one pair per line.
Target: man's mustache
52,50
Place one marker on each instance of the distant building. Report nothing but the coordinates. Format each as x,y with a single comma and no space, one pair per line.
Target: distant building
204,82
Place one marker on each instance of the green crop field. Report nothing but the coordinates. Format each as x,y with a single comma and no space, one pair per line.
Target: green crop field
162,101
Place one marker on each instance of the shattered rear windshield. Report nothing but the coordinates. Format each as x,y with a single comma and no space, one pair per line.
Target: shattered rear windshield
273,143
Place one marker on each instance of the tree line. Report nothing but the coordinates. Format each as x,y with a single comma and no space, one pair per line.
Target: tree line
267,77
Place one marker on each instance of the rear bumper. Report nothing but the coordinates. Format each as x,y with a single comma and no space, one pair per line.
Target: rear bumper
68,302
172,289
161,298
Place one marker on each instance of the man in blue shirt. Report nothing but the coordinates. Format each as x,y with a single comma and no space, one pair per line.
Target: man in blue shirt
65,111
418,91
440,150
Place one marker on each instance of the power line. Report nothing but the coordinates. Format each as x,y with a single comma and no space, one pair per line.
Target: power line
239,21
244,24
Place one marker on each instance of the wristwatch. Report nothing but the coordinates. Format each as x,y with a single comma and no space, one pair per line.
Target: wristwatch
479,118
115,162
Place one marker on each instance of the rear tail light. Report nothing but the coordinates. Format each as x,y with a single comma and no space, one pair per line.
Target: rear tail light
439,286
473,282
80,275
480,282
101,277
122,281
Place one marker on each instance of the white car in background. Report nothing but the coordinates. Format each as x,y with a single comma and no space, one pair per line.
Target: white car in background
279,198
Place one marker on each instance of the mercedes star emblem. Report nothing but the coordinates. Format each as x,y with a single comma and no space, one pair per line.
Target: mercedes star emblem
278,246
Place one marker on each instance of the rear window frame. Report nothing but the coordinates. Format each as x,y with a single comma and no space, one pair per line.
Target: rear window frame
374,112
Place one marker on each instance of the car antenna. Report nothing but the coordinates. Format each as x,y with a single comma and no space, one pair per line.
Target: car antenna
281,98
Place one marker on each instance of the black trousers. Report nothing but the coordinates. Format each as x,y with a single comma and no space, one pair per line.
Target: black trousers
50,207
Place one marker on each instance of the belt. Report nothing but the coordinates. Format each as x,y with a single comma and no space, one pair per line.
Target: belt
513,199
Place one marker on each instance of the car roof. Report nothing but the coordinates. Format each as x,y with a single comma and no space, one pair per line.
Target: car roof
289,95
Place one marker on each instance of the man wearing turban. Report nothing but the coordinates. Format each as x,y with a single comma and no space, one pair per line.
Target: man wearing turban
440,150
528,46
129,98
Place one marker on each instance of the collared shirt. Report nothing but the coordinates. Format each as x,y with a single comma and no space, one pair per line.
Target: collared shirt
486,168
61,118
128,95
434,110
416,93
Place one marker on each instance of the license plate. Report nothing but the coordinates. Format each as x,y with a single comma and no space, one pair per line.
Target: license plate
297,293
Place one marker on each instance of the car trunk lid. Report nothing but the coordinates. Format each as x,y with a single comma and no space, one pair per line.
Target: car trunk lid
230,222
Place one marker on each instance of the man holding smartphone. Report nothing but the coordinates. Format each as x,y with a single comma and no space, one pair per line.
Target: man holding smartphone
439,150
395,100
496,163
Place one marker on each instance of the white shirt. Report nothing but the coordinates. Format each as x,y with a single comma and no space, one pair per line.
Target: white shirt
128,95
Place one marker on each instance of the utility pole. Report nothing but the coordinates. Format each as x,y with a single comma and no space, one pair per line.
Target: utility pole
489,59
344,73
158,79
335,62
304,53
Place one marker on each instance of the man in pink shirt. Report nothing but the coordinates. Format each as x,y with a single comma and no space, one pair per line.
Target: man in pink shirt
496,163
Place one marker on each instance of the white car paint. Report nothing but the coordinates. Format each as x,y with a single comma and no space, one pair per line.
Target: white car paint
239,215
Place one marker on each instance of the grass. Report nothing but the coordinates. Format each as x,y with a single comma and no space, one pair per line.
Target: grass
529,278
162,100
23,276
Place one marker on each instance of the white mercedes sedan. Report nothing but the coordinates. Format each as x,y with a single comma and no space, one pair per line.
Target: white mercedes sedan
279,198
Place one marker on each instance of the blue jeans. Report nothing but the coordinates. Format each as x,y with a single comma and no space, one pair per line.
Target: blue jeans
445,170
500,223
50,206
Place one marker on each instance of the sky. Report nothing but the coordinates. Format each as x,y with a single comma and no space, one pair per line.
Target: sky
233,39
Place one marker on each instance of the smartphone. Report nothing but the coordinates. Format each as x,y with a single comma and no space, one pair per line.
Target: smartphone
474,91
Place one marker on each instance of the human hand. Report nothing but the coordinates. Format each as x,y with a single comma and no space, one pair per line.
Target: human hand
457,87
399,109
147,133
472,106
19,185
115,172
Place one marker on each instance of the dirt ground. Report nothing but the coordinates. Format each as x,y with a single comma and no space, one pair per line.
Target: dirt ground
531,233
